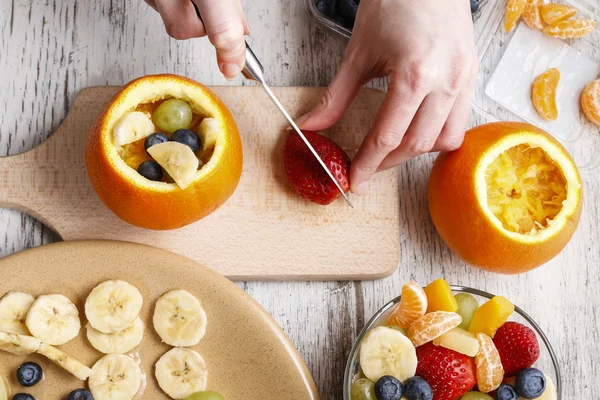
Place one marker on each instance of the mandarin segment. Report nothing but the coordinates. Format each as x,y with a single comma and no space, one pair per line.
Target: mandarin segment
543,94
491,316
514,10
532,15
440,297
413,305
431,326
489,369
570,29
590,102
554,13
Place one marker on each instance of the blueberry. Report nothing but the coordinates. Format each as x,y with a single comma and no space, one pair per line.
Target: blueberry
80,394
326,7
150,170
417,388
29,374
348,8
506,392
474,6
530,383
155,138
23,396
388,388
187,137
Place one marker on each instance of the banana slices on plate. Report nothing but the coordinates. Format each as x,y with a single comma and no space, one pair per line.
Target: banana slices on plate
65,361
179,319
53,319
18,344
116,343
115,377
13,311
4,393
113,306
181,372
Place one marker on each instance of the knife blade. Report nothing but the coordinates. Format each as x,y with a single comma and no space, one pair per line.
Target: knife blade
254,70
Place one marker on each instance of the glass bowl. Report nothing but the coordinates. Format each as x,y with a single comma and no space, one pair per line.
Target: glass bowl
547,362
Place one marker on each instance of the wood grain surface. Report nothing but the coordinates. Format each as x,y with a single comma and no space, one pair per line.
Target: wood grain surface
51,50
263,226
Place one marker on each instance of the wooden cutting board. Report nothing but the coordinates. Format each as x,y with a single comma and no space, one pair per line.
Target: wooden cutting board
248,356
264,232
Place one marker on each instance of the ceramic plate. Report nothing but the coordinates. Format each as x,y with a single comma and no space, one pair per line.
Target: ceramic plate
247,354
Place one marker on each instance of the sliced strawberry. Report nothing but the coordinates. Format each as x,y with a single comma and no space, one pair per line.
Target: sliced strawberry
518,347
306,175
449,373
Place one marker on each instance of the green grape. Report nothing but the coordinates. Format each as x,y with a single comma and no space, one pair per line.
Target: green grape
205,396
397,328
171,115
362,389
467,305
476,396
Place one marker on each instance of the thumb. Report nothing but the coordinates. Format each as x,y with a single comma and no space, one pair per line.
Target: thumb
337,98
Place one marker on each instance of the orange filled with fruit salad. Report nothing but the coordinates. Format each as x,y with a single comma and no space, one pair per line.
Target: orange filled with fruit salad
165,152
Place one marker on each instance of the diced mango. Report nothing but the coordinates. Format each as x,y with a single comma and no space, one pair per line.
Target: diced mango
459,340
440,297
491,316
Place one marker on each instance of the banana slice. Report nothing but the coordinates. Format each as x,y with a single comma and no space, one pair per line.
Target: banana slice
65,361
115,377
179,319
178,160
13,311
132,127
181,372
4,393
53,319
386,351
209,130
116,343
113,306
18,344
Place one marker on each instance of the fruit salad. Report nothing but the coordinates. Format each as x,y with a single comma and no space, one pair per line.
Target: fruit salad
166,140
115,329
434,344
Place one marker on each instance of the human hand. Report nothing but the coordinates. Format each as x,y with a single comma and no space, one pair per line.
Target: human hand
222,21
427,49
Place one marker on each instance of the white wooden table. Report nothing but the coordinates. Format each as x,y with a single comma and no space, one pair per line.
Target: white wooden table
50,50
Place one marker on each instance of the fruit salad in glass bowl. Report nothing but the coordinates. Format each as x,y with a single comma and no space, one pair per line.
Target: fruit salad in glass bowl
447,342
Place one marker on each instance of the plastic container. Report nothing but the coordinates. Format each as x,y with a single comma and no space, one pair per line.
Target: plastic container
328,23
509,62
547,363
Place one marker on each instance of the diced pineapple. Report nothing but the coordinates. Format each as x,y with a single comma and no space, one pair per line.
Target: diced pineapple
491,316
440,297
459,340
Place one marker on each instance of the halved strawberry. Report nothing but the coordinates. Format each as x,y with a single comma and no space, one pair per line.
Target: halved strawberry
306,175
449,373
518,347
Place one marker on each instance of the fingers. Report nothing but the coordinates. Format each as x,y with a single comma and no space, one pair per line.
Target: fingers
393,119
424,130
225,26
453,133
336,100
180,18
